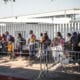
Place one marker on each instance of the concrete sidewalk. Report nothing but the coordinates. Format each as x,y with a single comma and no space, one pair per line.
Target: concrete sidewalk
19,67
23,68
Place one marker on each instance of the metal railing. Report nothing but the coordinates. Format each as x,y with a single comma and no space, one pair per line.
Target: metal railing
59,61
56,59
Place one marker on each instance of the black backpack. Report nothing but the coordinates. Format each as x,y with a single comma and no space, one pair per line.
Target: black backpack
23,41
12,39
47,42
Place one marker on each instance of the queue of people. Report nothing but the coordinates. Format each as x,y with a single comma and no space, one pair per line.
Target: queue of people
7,42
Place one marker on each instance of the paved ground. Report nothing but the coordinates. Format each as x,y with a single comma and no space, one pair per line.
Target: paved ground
2,77
20,67
23,68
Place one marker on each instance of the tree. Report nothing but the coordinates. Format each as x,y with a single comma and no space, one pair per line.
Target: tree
8,0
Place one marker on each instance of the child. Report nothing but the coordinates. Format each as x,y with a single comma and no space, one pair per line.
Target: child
10,49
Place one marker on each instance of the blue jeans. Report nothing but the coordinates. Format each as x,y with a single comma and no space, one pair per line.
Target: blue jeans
20,48
32,50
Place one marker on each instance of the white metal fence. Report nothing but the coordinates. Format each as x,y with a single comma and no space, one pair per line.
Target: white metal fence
24,28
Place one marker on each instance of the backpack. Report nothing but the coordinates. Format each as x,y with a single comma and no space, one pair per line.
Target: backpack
23,41
33,37
12,38
47,42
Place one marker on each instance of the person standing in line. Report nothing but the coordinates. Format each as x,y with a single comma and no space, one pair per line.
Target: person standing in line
4,43
9,38
20,42
67,44
60,38
10,49
31,42
7,35
41,40
0,44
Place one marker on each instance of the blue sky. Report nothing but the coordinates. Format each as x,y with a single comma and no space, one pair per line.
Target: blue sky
23,7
